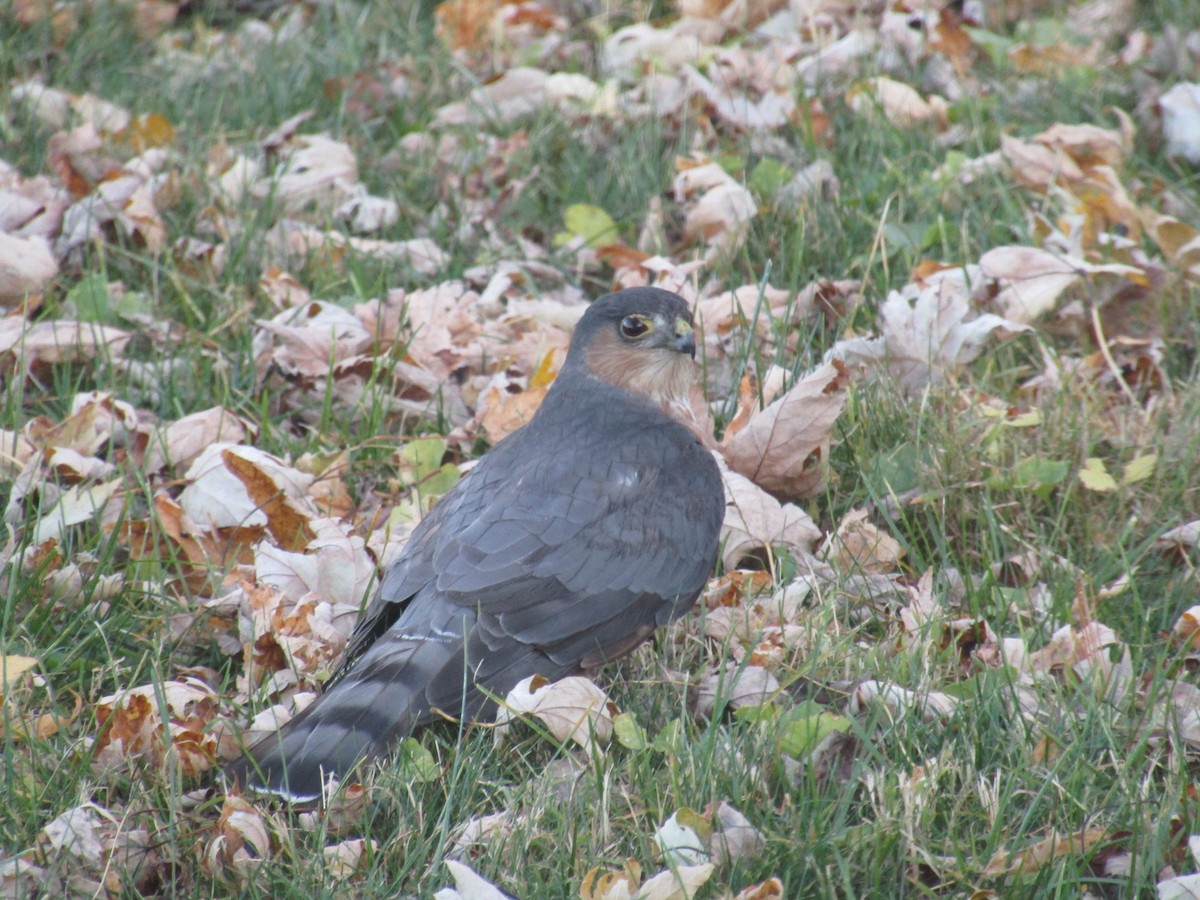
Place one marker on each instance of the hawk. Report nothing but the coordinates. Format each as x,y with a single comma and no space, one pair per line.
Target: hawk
565,547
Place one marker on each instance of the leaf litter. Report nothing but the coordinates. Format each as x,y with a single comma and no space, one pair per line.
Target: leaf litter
275,558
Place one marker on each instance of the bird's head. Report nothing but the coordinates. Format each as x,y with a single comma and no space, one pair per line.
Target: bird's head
639,339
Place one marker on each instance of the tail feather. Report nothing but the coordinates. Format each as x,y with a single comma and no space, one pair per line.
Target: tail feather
381,699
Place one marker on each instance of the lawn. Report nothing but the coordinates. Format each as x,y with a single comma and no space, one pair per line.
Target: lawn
273,275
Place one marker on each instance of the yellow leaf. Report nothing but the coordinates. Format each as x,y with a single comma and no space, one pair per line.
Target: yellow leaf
11,667
1096,478
149,130
1139,468
545,373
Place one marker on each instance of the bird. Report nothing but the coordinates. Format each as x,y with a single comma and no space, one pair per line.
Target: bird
566,546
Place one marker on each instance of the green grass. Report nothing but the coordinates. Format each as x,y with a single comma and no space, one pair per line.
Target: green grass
903,806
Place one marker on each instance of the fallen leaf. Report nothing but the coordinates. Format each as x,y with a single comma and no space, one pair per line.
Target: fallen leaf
1037,856
680,883
733,838
755,522
347,858
1181,120
1095,477
468,885
1032,280
929,330
785,447
859,545
736,686
682,839
571,708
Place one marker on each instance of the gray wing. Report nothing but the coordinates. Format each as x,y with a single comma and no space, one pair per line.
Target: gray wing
533,564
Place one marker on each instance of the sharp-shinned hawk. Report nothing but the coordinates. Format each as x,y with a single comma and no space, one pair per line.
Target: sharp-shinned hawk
566,546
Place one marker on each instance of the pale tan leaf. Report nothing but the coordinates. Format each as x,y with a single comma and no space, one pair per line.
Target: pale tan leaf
345,859
1182,537
1032,280
77,505
611,884
682,883
59,341
216,497
1095,477
11,668
785,447
858,544
738,686
177,444
755,521
929,330
572,708
26,266
1187,627
771,889
734,838
930,705
900,104
76,832
1037,856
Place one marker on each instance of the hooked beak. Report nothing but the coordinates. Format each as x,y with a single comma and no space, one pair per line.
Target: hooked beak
685,337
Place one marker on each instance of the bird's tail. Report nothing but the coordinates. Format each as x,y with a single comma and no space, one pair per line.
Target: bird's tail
382,698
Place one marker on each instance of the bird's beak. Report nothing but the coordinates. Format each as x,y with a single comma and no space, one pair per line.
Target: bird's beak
685,337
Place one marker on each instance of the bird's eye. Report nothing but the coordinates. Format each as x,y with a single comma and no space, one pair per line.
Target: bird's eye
634,326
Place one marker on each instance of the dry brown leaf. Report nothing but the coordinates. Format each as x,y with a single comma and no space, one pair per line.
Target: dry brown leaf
76,505
513,94
348,857
242,841
1032,280
785,447
131,726
737,686
612,884
733,838
859,545
319,173
27,266
505,406
178,444
929,330
11,668
217,497
572,708
755,522
333,566
900,104
1037,856
59,341
771,889
283,289
76,832
287,522
466,24
755,111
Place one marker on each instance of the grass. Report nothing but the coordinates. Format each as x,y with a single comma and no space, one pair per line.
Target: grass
899,805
